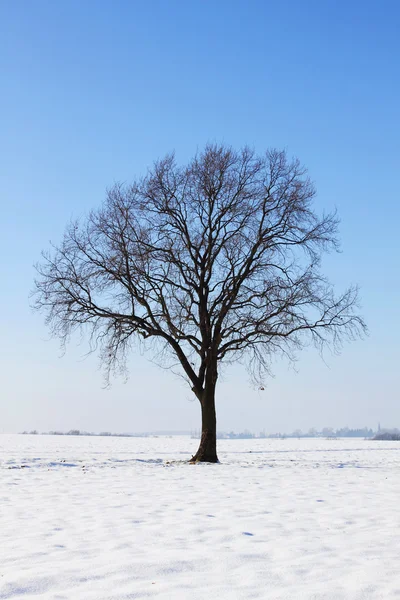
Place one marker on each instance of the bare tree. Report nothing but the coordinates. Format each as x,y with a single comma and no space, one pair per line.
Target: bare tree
216,261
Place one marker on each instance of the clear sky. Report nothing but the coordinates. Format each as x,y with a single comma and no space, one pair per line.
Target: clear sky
92,92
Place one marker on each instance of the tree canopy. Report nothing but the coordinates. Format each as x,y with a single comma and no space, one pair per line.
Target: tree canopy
218,260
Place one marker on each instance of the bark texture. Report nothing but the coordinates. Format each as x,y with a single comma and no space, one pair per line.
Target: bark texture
207,451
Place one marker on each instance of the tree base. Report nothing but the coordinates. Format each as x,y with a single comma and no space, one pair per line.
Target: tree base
207,459
207,451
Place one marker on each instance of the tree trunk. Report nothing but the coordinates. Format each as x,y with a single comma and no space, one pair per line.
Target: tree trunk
207,451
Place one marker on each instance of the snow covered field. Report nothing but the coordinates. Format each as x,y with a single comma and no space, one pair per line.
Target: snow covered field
114,519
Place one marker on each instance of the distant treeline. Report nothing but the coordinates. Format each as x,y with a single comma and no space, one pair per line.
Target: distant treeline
329,432
326,432
87,433
393,435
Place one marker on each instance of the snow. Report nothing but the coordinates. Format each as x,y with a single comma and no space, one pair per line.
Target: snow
87,518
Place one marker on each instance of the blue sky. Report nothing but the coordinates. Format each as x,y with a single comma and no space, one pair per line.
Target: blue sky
92,92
